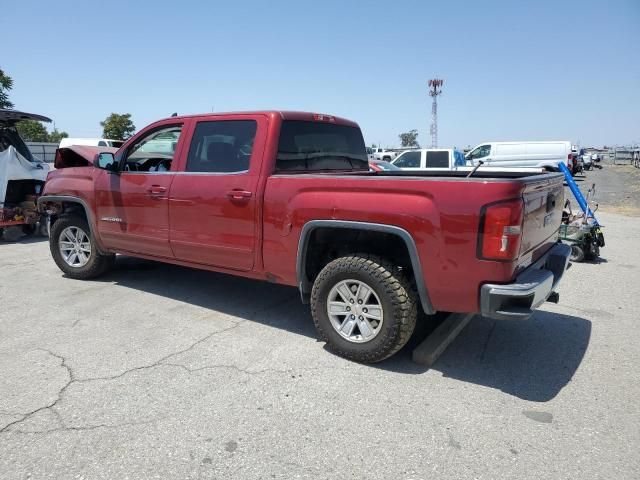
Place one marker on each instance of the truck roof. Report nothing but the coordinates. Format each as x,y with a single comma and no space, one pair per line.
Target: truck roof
283,114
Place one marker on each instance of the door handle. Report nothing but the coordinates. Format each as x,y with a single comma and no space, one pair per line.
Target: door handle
239,195
156,191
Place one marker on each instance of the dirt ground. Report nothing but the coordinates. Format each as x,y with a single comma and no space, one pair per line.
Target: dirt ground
617,189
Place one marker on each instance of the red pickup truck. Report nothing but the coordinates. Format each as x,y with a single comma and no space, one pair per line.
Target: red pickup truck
288,197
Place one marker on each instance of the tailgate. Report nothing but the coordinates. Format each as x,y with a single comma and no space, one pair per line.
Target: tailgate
543,203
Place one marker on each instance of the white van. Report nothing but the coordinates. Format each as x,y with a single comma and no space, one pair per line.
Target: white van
92,142
430,158
522,154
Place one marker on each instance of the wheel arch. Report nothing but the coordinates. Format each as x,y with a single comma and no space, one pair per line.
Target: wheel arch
77,202
304,284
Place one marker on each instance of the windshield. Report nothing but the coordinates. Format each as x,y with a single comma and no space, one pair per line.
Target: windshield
319,146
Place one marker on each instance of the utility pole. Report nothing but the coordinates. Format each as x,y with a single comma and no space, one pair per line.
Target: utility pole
435,89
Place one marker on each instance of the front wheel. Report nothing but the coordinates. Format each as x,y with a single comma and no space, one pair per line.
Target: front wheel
74,250
363,307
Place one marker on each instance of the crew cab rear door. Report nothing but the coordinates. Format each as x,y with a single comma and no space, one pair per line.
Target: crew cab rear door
213,205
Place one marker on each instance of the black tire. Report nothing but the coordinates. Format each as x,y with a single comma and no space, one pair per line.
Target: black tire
577,254
97,264
397,298
594,250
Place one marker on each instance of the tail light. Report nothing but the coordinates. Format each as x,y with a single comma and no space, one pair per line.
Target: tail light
501,230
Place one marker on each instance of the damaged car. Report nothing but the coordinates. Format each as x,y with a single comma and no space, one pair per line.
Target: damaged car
22,177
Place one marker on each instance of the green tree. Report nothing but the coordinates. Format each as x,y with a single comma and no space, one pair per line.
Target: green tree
32,131
409,139
6,84
118,126
56,136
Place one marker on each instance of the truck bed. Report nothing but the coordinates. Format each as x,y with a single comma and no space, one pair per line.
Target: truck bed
442,211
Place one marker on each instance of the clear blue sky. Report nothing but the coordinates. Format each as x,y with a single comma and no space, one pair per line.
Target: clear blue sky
513,70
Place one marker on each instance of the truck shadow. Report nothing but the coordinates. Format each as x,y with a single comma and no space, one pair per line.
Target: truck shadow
532,359
267,303
26,239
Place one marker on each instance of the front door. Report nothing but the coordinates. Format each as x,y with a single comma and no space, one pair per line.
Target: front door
132,205
213,202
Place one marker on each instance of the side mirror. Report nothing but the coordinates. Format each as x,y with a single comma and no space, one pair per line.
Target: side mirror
106,161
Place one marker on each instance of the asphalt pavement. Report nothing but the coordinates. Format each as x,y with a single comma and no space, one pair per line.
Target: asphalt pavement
158,371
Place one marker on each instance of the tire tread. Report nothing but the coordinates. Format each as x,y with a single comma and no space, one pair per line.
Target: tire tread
396,286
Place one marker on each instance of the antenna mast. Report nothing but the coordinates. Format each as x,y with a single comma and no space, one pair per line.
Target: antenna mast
435,89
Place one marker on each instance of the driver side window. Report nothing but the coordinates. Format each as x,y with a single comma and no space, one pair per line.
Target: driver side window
154,152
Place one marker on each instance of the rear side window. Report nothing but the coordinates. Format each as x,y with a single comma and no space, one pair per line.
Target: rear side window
223,146
438,159
316,146
408,160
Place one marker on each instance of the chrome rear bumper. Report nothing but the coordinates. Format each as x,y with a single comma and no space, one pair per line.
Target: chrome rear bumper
531,288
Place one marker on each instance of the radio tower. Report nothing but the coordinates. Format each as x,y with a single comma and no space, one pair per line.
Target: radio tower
435,89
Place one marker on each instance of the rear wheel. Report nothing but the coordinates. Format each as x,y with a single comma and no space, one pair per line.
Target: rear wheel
363,307
74,251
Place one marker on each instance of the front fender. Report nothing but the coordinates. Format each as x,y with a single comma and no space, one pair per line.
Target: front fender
66,199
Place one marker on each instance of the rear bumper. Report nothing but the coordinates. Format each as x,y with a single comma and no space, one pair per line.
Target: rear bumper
531,288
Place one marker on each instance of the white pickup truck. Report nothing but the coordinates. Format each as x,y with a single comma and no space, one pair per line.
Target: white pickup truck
430,158
381,154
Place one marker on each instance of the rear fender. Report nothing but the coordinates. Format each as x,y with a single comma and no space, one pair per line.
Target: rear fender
305,285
